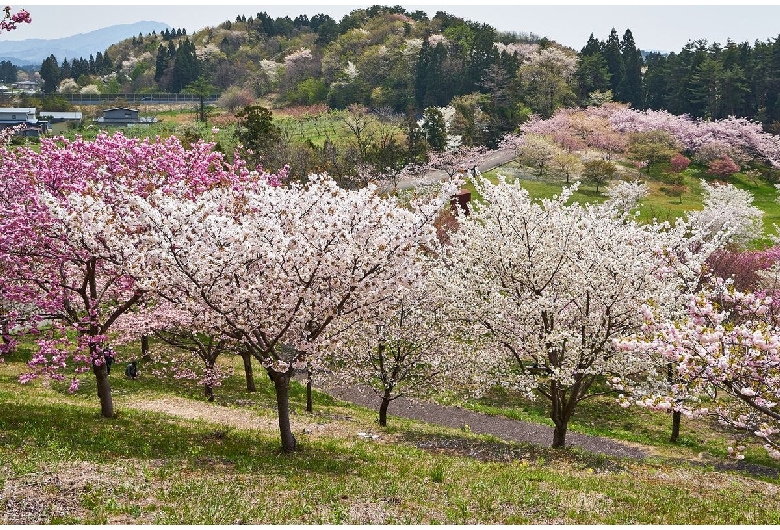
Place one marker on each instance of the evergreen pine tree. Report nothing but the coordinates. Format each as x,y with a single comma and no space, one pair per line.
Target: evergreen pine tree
630,88
161,64
50,73
614,59
435,128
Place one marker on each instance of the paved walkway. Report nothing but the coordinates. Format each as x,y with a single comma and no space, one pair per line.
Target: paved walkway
522,431
492,160
499,426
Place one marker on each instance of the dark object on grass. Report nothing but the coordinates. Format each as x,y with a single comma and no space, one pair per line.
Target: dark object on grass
132,370
108,355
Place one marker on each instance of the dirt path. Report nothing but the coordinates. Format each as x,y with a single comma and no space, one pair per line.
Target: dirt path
499,426
425,411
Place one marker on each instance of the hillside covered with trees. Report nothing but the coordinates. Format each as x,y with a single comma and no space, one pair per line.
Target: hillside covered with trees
388,57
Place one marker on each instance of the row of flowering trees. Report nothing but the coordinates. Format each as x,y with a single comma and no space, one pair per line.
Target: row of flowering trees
607,128
121,237
91,230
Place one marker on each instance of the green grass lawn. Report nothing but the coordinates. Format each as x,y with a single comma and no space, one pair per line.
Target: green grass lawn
657,205
60,462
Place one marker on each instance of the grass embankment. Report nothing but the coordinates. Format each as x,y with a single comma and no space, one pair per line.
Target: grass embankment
657,205
170,457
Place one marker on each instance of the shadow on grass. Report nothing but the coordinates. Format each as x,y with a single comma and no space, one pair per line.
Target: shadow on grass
61,433
489,449
232,391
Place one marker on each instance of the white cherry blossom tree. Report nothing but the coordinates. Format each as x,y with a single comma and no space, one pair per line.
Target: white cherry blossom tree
556,283
408,346
272,268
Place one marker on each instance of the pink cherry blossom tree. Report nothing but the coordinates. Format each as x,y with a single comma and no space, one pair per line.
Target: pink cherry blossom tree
744,267
196,358
679,163
64,237
723,167
725,347
607,126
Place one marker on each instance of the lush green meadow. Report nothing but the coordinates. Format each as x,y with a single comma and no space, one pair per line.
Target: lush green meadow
657,205
171,457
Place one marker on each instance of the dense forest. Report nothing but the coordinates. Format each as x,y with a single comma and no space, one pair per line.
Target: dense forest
391,58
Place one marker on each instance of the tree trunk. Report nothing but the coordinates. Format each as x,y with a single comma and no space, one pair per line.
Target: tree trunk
250,378
559,435
309,407
676,425
104,390
282,387
675,414
208,391
560,413
383,408
145,348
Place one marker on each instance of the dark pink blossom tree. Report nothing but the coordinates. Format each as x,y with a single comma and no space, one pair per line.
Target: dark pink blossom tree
680,163
9,21
723,167
64,235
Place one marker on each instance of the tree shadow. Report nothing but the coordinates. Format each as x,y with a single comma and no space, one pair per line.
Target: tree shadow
57,433
489,449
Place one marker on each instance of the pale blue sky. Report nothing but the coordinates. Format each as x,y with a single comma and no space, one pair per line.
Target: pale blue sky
655,27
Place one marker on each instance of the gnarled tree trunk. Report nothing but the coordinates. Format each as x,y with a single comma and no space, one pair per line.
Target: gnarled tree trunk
282,387
104,390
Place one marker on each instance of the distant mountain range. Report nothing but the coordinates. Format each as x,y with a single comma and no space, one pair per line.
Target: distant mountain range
34,51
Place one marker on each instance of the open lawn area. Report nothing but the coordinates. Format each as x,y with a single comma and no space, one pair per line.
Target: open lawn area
169,457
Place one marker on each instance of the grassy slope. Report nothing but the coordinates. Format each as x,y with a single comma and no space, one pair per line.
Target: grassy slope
61,462
658,205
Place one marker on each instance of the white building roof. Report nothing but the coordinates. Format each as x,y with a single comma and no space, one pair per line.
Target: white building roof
12,110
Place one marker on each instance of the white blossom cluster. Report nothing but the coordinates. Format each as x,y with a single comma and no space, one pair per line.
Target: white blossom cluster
728,210
553,284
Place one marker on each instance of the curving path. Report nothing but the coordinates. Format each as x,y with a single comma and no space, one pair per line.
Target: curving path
522,431
492,160
499,426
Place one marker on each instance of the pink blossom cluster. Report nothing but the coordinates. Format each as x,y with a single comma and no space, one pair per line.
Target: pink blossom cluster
743,267
65,224
183,365
595,127
9,21
726,343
